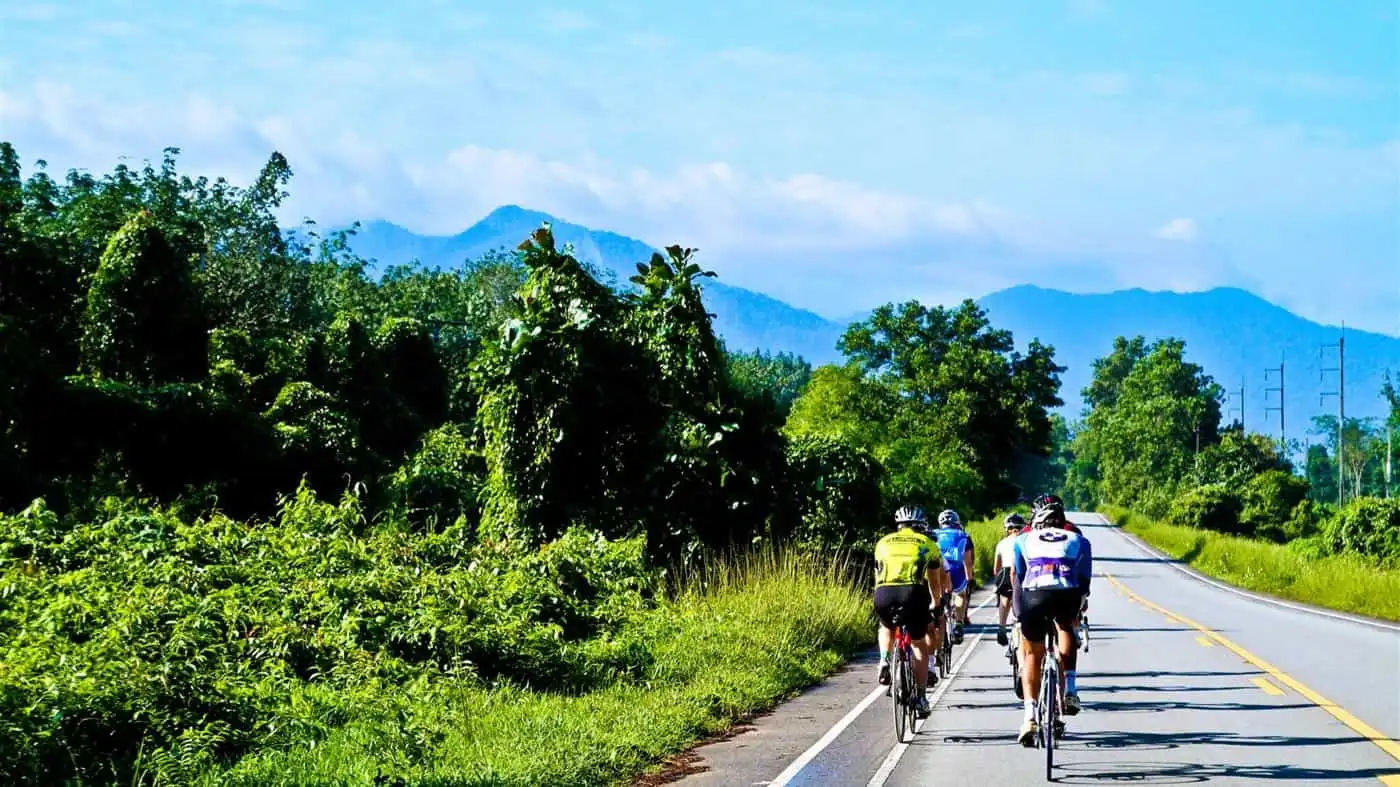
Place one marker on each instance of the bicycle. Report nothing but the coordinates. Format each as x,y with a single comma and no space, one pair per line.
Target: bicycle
945,651
1048,711
902,685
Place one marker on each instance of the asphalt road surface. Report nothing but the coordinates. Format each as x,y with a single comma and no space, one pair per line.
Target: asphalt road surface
1184,682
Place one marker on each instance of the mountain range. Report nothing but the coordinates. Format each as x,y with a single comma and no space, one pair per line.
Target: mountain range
1234,334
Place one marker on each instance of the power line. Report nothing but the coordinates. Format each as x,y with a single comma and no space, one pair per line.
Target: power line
1341,394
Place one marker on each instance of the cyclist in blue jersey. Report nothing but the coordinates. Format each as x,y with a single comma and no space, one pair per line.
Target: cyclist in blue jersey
1051,572
957,548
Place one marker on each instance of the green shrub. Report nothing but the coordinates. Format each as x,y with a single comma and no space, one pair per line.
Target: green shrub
1212,507
837,490
440,482
195,642
1367,526
1270,499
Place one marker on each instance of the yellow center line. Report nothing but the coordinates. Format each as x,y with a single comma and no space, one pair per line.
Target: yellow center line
1205,642
1268,687
1339,713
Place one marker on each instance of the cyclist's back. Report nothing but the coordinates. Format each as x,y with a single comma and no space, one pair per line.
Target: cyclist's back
953,544
902,558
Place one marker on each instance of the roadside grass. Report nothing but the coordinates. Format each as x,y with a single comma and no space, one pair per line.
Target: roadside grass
733,639
985,535
1347,583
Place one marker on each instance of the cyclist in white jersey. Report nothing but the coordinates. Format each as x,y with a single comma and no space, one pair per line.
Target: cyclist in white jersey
1001,570
1051,572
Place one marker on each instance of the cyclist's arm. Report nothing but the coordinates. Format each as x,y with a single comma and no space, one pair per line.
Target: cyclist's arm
1084,566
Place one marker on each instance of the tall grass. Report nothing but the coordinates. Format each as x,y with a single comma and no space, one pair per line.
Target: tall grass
736,636
1348,583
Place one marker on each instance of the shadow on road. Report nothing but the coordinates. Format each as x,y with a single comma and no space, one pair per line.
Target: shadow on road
1165,674
1176,740
1193,773
1096,706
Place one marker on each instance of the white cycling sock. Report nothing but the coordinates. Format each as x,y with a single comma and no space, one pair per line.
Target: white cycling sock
1030,709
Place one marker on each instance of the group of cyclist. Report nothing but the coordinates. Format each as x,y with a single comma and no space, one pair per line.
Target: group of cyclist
1043,570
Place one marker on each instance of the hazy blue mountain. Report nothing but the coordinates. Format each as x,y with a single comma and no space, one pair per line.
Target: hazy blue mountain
1232,333
745,319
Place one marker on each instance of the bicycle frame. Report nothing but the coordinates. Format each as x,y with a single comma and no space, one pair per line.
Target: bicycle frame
1049,706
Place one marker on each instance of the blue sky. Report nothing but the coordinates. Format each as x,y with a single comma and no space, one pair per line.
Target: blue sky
835,155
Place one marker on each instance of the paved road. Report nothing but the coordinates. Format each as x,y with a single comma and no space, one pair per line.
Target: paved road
1183,683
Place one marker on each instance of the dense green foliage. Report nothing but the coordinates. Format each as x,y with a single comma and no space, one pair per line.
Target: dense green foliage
943,401
1151,441
267,519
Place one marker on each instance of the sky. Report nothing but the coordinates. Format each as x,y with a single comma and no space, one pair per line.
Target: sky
836,155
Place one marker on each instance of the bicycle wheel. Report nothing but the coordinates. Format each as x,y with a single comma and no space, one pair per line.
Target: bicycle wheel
1049,692
900,669
1016,675
911,694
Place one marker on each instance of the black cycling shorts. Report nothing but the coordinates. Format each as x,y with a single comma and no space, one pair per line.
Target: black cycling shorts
910,602
1040,607
1003,582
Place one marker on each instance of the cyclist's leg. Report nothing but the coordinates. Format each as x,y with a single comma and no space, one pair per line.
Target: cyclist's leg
886,603
917,611
1067,617
1035,621
1003,591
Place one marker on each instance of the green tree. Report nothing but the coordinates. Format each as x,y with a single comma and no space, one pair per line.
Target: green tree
961,386
1150,412
143,322
778,377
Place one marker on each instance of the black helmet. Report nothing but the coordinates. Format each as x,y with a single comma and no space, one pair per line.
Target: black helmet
1015,520
911,515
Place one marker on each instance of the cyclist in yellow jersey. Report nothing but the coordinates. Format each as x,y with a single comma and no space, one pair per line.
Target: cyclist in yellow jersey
908,566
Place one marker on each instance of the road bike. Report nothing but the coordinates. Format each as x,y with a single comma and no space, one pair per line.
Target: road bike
1048,711
1081,629
902,684
945,650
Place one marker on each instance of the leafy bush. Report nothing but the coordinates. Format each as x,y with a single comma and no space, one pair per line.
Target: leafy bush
837,490
441,482
1211,507
141,634
1367,526
1270,499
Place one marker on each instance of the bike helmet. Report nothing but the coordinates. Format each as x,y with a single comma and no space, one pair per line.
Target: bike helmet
949,518
1048,515
911,515
1014,521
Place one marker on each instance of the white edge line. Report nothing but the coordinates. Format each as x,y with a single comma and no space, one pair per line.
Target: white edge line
812,751
887,767
1170,561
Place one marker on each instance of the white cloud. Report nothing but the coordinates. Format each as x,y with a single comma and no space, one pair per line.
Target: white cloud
1181,229
344,176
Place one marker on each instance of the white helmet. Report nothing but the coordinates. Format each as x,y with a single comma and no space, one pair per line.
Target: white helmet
949,518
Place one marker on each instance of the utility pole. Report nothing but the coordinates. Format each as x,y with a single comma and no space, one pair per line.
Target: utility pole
1282,430
1341,394
1240,394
